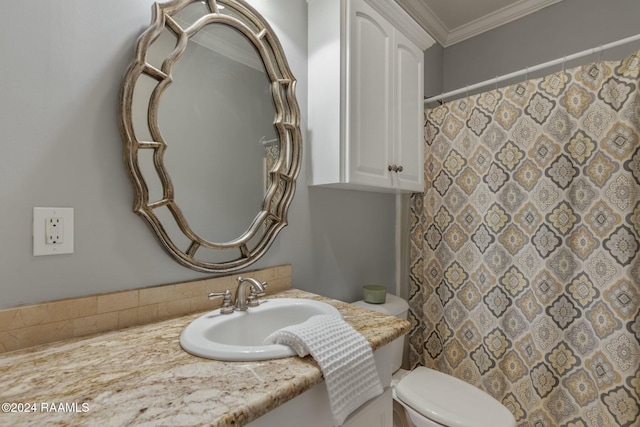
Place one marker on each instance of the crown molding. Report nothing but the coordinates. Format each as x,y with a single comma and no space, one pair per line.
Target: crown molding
426,18
403,21
447,37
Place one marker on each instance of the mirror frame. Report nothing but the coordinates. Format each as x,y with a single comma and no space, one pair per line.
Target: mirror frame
279,193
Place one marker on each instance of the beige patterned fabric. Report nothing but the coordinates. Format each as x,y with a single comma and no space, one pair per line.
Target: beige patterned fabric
525,263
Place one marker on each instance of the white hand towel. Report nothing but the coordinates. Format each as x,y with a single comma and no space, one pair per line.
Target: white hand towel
344,356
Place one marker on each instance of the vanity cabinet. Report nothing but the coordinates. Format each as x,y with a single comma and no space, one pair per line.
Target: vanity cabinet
313,405
377,412
366,108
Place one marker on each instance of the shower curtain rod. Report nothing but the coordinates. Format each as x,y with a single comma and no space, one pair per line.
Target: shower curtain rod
527,70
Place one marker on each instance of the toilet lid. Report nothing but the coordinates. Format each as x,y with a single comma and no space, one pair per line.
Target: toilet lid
450,401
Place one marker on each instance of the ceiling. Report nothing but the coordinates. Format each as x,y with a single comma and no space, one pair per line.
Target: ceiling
452,21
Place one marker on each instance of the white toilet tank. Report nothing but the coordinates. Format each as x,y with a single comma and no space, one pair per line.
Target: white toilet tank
394,306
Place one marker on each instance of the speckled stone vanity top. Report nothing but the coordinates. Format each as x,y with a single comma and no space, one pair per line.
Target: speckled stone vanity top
141,376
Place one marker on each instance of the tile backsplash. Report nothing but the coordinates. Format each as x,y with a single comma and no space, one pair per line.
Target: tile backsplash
30,325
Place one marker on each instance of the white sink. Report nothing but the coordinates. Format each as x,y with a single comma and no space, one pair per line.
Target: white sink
239,336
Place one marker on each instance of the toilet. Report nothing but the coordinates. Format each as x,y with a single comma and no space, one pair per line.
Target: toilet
428,398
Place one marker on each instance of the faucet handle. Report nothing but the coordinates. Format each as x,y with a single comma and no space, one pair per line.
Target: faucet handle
252,300
227,307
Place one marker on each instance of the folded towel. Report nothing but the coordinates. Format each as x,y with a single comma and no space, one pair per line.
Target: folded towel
344,356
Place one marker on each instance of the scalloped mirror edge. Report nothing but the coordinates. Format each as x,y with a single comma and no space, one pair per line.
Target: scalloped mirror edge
256,240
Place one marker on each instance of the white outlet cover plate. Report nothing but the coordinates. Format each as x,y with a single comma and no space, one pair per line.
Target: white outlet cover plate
40,247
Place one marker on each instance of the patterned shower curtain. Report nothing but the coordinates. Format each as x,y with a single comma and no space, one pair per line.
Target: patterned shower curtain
525,264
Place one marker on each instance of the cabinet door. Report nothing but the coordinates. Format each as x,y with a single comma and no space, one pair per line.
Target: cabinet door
409,114
370,97
378,412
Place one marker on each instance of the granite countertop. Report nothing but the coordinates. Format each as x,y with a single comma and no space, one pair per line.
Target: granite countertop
141,376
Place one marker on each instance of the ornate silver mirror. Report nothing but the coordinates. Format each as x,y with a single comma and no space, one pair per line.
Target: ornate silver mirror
211,132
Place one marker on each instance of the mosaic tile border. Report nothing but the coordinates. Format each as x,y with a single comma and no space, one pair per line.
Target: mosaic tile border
26,326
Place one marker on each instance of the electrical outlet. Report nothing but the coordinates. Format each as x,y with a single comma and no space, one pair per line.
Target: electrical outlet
52,231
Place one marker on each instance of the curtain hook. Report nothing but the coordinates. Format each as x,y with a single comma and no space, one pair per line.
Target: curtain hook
564,62
496,81
467,91
526,76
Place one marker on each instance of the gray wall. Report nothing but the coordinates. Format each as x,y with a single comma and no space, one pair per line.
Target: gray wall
433,78
62,66
561,29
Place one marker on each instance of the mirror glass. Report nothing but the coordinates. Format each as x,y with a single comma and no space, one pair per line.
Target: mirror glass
211,135
214,152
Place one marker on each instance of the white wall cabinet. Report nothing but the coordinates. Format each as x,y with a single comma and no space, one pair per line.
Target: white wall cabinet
365,95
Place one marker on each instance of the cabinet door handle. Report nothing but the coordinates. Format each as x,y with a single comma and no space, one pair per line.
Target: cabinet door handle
399,169
394,168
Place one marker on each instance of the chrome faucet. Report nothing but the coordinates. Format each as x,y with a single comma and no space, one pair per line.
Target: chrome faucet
257,289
